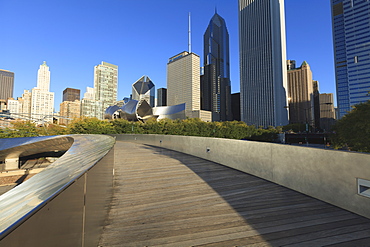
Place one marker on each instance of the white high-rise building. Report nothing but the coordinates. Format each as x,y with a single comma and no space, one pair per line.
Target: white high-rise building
91,107
42,101
14,106
43,78
26,103
105,84
89,94
263,74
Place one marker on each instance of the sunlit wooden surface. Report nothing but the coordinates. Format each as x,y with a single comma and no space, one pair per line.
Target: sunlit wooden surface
166,198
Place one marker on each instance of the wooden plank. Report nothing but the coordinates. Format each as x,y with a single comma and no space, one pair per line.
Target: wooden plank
357,243
298,235
351,236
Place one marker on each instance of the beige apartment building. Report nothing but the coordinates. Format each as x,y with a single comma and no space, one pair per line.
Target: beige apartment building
183,84
6,84
69,110
300,93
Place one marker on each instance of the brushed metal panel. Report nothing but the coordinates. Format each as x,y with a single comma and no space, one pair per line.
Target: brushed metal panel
98,197
58,223
59,183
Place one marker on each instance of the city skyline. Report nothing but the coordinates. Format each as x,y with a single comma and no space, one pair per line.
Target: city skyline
70,47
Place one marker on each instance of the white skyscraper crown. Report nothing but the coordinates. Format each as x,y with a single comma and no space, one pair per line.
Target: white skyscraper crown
43,78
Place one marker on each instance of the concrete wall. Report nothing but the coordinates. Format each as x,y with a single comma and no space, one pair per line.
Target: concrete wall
328,175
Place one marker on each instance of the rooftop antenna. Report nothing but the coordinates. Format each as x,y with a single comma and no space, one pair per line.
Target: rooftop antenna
189,34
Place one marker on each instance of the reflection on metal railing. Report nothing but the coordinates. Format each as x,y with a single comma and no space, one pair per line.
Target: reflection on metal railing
20,203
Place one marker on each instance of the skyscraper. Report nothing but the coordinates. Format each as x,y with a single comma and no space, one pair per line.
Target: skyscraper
90,107
351,28
316,103
105,84
43,78
26,104
300,94
71,94
215,83
70,110
162,97
183,81
327,112
42,101
183,84
262,50
6,84
235,106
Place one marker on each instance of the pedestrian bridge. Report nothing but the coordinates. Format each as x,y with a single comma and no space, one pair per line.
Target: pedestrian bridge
215,192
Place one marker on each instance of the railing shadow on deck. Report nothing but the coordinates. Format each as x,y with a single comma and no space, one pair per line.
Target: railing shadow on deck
280,215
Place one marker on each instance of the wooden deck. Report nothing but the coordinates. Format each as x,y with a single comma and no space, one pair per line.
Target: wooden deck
166,198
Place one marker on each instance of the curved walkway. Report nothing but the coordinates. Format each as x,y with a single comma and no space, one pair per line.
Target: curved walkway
166,198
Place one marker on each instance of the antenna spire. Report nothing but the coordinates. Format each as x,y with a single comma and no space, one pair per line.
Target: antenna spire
189,35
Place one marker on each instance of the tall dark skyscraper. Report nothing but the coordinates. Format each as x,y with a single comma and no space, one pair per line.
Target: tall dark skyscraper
351,28
162,97
215,84
235,106
262,52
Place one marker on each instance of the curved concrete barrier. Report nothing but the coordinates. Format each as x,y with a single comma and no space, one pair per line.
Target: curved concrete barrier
65,203
336,177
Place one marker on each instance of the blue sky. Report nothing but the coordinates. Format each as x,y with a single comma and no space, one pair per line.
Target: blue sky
139,36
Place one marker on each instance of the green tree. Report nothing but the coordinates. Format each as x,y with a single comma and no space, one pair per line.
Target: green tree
296,127
353,130
91,126
22,129
122,126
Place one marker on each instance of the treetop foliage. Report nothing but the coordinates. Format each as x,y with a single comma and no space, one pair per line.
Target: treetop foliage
188,127
353,130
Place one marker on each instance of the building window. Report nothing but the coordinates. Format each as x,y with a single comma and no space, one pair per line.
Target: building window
356,59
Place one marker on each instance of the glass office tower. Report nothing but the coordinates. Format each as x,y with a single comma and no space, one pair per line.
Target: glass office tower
215,83
351,38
